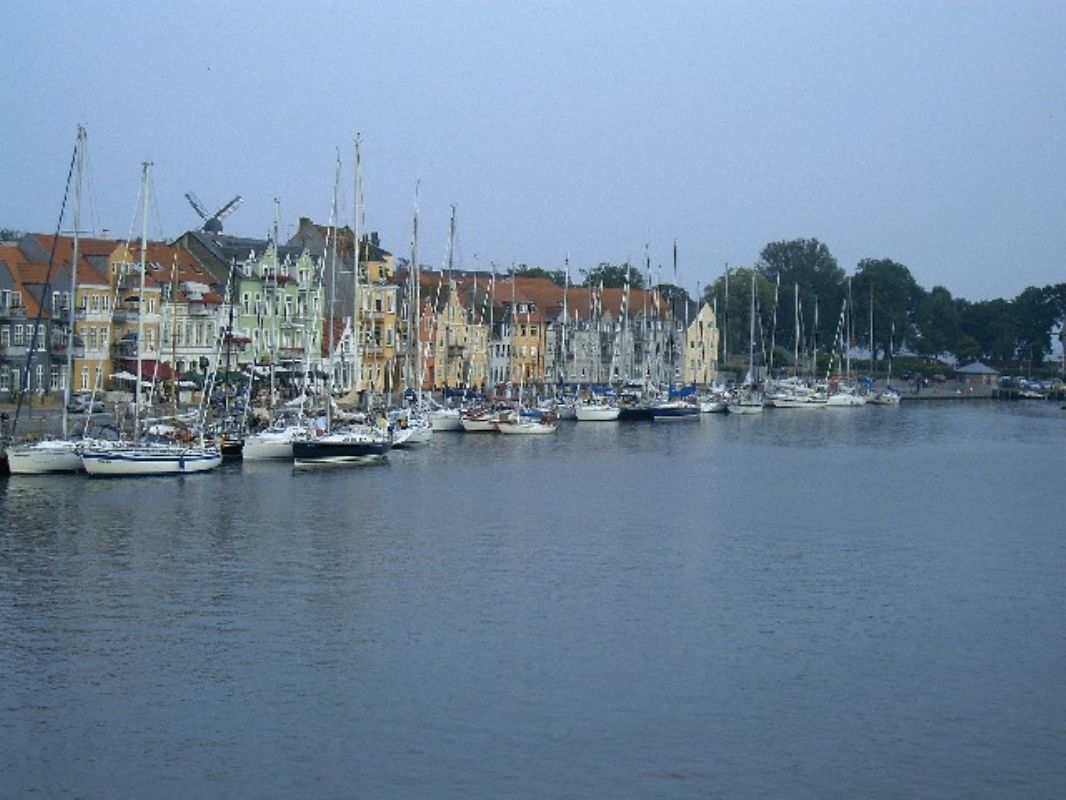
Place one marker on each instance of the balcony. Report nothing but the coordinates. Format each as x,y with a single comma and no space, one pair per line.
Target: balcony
12,312
127,312
13,352
59,348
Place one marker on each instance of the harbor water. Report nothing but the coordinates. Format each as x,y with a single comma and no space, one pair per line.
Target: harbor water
798,604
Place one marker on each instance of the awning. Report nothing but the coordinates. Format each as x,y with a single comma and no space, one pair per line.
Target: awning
150,368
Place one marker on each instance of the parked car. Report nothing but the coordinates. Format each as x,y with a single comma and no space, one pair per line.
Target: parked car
80,403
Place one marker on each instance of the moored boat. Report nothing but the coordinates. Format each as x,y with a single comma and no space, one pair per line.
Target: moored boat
352,446
528,425
596,412
148,458
674,409
45,456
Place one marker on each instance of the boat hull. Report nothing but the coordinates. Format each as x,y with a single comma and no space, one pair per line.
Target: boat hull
597,413
528,428
41,458
471,425
845,400
635,413
445,420
676,412
319,451
745,408
134,461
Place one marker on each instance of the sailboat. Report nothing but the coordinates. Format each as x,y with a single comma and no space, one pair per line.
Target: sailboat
597,409
748,400
412,426
887,396
143,456
353,443
63,454
845,395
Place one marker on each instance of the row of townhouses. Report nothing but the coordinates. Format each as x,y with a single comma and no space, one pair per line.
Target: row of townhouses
302,314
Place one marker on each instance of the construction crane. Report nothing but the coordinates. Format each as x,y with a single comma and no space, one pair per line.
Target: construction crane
212,222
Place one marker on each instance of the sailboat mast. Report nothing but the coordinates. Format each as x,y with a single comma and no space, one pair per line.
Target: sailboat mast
848,321
773,326
873,348
751,332
274,352
332,235
73,278
174,339
356,335
145,178
725,320
448,306
796,328
416,311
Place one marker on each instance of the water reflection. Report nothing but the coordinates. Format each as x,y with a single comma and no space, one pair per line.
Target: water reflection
847,602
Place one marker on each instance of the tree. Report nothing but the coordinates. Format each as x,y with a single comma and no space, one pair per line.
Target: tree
967,349
734,317
991,324
673,294
808,264
1035,313
937,323
556,276
613,276
895,295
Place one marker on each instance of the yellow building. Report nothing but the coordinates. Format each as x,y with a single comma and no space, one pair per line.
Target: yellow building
137,308
460,343
92,364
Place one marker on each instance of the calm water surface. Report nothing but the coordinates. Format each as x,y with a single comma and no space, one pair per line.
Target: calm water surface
860,603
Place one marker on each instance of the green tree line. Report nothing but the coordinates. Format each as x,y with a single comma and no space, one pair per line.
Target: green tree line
929,323
800,279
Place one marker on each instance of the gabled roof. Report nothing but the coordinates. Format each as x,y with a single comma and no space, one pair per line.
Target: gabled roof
226,248
977,368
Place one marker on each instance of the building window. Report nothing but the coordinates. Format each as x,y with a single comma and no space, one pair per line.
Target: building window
84,379
18,335
55,378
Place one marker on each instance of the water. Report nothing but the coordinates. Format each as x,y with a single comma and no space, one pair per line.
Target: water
861,603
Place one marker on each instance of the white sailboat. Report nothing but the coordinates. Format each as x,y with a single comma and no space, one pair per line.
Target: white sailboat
596,411
519,424
412,426
143,457
845,395
748,400
63,454
351,443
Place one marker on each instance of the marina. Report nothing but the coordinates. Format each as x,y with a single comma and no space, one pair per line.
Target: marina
616,610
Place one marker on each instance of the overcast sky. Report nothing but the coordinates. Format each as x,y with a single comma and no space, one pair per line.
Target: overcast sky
931,133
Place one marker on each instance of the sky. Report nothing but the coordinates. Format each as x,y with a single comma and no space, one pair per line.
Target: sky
933,134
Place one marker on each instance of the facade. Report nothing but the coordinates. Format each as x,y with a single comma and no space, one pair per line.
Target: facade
372,301
137,310
272,307
701,348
